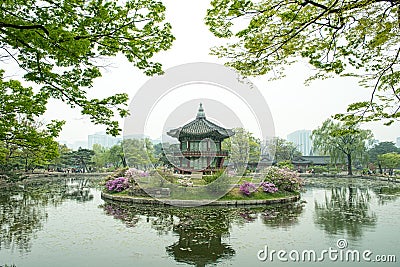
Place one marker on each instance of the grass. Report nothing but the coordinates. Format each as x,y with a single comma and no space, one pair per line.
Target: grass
235,194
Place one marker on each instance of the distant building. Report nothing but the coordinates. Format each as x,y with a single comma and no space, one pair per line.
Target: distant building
302,140
398,142
304,163
102,139
307,161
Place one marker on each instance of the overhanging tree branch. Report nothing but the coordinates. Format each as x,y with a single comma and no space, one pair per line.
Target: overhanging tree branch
24,27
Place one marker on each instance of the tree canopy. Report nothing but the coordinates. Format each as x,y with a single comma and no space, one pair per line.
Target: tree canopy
24,140
337,37
139,153
61,46
243,148
283,149
81,159
380,149
390,161
342,142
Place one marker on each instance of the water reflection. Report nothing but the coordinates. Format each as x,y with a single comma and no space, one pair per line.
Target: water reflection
282,216
345,210
23,208
387,194
202,232
21,216
201,238
194,236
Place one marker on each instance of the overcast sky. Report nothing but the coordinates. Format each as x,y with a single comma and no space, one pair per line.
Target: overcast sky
293,105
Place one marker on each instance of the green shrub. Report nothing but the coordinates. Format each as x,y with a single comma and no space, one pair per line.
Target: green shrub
319,169
285,164
211,178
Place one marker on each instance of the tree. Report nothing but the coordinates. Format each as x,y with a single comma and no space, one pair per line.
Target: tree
23,137
380,149
243,148
27,153
61,161
39,155
342,142
284,150
160,153
61,46
101,156
139,153
81,158
25,141
390,161
116,156
337,37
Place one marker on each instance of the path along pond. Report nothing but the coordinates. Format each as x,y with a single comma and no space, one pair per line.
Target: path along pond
66,223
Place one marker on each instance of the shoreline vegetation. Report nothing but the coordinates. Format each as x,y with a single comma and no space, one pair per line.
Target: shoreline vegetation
6,181
24,177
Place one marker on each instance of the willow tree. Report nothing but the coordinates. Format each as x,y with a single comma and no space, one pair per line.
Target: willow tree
342,142
60,46
337,37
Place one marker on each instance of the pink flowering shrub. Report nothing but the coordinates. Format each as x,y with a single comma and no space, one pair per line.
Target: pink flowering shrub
247,188
117,185
283,179
133,172
268,187
123,179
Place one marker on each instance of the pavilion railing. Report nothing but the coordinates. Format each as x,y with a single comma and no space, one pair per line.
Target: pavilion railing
206,153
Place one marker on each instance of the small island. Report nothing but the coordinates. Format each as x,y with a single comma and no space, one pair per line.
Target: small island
276,186
200,175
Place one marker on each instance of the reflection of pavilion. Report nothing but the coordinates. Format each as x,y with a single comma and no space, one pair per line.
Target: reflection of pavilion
200,240
200,145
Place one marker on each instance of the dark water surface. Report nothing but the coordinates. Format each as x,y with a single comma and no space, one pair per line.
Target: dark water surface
66,223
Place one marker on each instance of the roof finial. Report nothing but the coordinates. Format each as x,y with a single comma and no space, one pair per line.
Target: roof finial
200,113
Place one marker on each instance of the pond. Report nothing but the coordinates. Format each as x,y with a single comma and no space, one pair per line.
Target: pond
66,223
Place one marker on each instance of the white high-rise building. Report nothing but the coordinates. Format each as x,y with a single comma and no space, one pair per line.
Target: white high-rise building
398,142
102,139
302,140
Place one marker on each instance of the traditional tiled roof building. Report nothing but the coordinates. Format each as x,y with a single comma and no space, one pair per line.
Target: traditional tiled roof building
200,145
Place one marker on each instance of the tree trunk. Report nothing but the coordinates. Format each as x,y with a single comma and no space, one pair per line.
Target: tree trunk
123,161
349,167
26,164
84,166
380,168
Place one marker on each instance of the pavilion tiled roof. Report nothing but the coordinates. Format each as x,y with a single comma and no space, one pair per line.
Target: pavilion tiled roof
200,128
